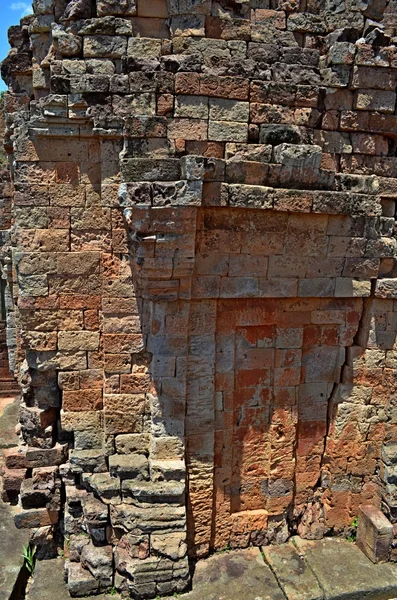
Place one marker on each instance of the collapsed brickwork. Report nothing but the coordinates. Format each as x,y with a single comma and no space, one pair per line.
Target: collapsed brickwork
205,294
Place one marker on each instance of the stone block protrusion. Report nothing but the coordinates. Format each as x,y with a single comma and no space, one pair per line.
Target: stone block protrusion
200,279
374,533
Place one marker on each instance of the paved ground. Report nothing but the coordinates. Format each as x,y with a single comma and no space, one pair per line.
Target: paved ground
11,541
331,569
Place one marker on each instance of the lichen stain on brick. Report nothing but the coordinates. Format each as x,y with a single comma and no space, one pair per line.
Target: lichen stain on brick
201,278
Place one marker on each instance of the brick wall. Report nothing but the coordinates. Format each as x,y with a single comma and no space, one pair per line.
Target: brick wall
7,382
204,259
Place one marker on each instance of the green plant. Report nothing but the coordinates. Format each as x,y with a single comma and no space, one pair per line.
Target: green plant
353,530
29,554
224,550
113,591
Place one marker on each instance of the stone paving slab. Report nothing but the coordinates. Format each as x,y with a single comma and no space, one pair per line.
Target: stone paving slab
292,572
330,569
345,573
237,575
11,542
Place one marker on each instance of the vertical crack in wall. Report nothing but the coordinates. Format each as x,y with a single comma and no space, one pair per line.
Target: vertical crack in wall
316,506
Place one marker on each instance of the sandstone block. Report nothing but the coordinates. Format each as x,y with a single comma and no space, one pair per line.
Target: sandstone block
131,466
156,9
13,479
374,533
103,46
144,47
375,100
62,360
166,448
116,7
372,78
80,581
195,107
171,545
81,421
167,470
87,461
140,169
95,511
98,561
78,340
133,443
147,519
188,129
302,156
222,131
82,400
164,492
188,25
32,496
35,517
15,458
106,486
221,109
37,457
116,422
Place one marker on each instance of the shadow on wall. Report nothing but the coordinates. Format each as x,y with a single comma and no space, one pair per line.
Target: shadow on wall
257,387
199,348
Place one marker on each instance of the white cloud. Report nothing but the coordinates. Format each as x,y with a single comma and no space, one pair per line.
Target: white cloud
22,6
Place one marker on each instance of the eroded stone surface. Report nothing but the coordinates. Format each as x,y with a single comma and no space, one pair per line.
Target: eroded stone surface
293,573
333,563
201,289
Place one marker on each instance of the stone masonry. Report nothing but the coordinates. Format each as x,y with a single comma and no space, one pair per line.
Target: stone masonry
7,382
203,314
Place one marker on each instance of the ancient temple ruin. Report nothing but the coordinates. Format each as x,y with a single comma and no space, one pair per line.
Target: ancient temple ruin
201,277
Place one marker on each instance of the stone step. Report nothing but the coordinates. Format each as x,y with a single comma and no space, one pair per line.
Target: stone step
8,389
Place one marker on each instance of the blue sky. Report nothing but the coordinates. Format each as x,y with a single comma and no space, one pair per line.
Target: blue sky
10,13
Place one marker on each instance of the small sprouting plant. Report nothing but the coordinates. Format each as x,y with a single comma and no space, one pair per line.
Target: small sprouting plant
224,550
353,530
28,554
113,591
